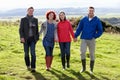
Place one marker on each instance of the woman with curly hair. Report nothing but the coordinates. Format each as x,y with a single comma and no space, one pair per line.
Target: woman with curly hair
48,28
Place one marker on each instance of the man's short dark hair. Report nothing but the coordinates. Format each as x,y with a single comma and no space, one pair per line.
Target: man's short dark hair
30,8
91,7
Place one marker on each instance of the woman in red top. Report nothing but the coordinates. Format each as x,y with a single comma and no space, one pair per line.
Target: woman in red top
65,31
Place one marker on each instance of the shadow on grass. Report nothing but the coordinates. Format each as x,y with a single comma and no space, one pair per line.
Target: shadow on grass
38,76
105,78
92,76
60,75
77,75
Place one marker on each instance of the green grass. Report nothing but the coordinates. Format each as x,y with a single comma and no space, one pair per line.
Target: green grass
12,66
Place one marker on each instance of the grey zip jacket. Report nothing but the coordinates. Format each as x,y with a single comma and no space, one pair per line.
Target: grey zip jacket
44,30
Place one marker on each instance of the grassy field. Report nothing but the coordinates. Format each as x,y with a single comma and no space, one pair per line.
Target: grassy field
12,66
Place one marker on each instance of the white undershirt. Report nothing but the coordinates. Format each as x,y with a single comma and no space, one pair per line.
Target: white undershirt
90,19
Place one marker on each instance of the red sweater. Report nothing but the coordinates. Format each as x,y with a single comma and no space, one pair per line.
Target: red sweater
64,30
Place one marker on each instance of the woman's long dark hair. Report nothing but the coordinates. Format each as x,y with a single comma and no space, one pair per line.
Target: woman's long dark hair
64,17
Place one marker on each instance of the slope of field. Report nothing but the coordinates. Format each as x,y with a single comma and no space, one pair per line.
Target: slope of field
12,66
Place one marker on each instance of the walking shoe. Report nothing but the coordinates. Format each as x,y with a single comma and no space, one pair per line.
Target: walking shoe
33,71
47,69
63,68
28,68
91,72
68,65
82,70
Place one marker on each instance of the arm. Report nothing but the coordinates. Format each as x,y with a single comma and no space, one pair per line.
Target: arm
99,29
41,30
21,31
58,31
79,29
71,31
56,34
37,32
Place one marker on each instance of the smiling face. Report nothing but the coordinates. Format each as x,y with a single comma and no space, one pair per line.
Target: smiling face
62,16
91,12
30,12
51,16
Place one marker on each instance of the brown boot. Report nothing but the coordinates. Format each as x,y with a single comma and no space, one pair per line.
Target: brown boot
51,58
47,58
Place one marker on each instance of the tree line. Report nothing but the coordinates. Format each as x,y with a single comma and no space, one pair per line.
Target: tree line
107,27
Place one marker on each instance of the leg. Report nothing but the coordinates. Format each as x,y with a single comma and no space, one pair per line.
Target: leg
62,49
83,49
91,46
47,57
33,55
51,56
47,50
83,65
91,66
83,56
26,56
51,51
67,51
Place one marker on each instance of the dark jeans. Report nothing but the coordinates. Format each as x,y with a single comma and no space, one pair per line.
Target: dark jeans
30,44
65,48
48,50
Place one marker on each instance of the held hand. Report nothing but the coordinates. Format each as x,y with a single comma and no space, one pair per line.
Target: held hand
22,40
75,39
56,40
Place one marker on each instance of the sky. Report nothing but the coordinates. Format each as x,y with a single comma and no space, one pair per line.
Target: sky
14,4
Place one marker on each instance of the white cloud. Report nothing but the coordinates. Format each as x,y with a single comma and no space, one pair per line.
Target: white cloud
12,4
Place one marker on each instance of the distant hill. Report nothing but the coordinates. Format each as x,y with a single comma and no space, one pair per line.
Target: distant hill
69,11
113,21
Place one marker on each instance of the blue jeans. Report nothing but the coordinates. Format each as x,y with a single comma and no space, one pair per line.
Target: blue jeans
30,45
65,48
48,50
